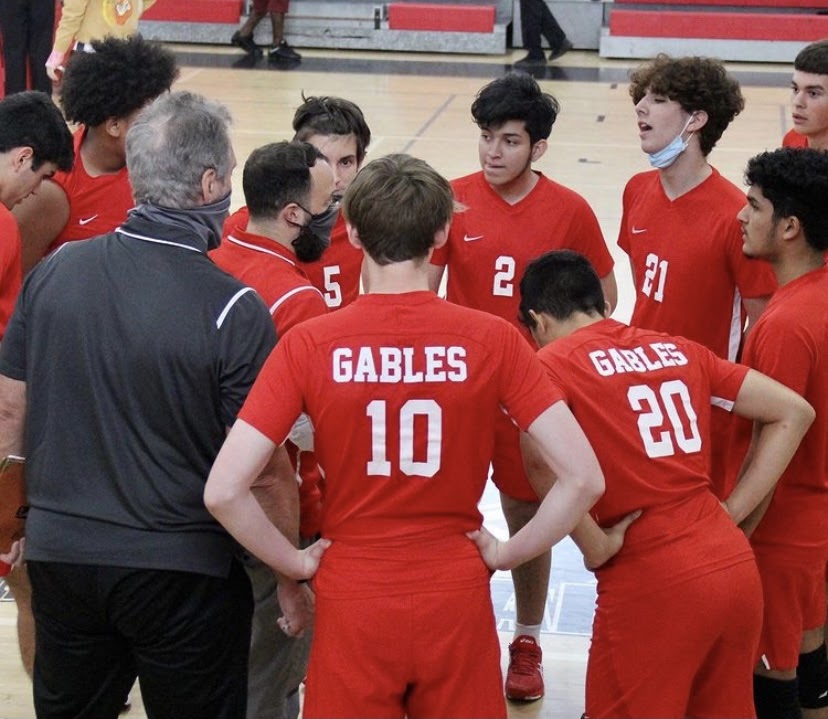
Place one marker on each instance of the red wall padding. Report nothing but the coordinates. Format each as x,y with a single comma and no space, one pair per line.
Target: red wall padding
442,18
718,25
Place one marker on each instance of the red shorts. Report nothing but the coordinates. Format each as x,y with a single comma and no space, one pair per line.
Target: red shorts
426,654
277,6
508,472
681,650
794,602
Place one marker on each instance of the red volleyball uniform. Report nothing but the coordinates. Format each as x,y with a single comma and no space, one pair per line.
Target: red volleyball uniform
685,580
794,139
489,246
97,205
690,273
275,274
336,274
790,344
403,391
11,272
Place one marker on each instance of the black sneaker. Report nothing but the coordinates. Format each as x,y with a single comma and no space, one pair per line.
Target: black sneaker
246,43
562,49
531,60
283,51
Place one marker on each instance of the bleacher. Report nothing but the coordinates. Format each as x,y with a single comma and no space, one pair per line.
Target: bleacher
459,26
750,30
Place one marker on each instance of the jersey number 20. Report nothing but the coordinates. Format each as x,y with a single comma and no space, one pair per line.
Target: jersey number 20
428,408
683,430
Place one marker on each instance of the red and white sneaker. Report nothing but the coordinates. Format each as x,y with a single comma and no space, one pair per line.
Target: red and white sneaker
524,678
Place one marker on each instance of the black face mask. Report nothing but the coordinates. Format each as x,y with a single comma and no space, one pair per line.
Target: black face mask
309,245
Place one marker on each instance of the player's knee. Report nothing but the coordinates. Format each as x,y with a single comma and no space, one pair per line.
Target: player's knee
812,673
776,698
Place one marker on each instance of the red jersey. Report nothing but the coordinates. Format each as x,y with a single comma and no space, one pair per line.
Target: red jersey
643,398
274,273
11,272
336,274
403,391
794,139
686,254
97,205
790,344
491,243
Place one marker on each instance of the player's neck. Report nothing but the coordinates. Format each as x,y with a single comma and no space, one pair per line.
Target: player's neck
798,260
99,153
396,278
819,140
688,172
514,191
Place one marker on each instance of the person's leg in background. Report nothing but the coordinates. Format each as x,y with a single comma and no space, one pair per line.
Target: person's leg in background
40,32
537,20
13,20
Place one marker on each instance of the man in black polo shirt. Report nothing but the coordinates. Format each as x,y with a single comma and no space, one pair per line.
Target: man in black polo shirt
125,361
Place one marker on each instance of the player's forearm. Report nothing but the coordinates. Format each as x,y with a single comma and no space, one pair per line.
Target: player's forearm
277,492
592,541
561,510
243,517
772,449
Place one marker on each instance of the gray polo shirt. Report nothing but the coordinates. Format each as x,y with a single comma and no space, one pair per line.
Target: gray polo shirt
137,352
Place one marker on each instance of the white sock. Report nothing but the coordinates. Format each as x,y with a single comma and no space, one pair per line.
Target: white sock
529,630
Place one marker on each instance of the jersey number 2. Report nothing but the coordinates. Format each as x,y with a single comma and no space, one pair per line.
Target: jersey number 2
504,274
674,398
428,408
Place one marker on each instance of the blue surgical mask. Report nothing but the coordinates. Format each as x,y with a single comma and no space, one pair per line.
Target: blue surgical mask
668,154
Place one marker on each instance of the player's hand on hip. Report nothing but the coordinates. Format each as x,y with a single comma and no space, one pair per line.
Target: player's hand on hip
614,541
14,557
488,545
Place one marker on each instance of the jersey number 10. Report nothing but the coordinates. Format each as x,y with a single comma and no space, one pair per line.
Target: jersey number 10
427,408
683,430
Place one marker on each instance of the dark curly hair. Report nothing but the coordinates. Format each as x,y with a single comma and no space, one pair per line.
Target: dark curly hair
696,83
795,181
120,77
813,58
332,116
516,96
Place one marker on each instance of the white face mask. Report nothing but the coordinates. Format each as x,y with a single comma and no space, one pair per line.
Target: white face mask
667,155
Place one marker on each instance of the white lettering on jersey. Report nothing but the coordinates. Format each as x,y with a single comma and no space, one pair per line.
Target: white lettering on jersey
654,356
391,365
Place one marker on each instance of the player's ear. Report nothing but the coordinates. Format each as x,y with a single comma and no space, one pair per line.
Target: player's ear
353,236
441,237
539,150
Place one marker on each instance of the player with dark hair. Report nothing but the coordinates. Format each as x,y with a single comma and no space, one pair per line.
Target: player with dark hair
102,91
809,98
513,215
785,223
337,128
683,567
679,223
286,184
404,620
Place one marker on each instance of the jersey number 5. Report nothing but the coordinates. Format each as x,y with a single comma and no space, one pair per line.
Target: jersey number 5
428,408
674,398
333,290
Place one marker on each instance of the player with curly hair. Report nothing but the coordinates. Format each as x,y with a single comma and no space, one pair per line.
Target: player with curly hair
785,222
679,224
102,91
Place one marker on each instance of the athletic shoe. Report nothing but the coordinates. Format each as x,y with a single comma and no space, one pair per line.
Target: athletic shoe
283,51
531,60
127,705
524,678
562,49
246,43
